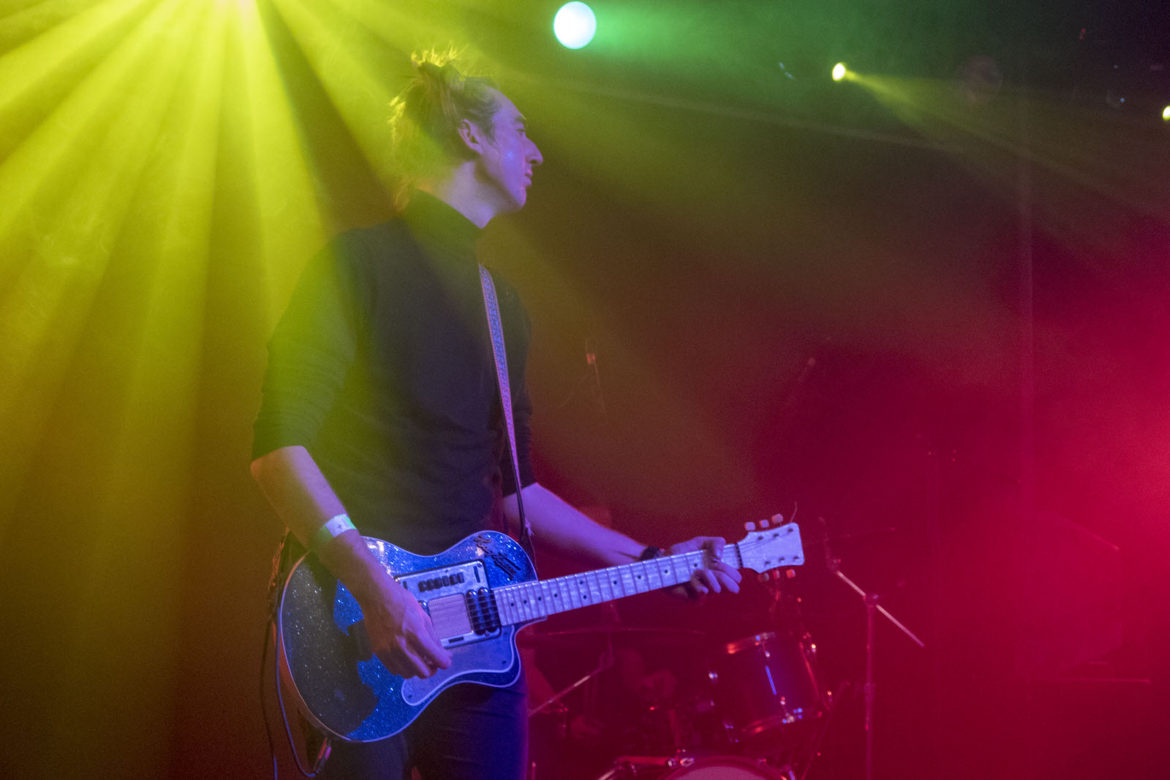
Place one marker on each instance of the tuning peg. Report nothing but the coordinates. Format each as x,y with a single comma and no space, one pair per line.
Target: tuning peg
749,526
763,524
777,519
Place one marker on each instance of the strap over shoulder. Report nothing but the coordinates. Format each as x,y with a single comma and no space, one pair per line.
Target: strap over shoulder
491,307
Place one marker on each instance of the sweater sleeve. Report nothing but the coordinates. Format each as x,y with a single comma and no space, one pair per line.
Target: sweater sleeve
309,353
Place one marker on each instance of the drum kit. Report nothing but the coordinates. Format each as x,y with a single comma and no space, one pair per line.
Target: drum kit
663,704
666,704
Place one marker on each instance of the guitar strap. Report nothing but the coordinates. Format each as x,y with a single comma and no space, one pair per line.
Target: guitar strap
491,306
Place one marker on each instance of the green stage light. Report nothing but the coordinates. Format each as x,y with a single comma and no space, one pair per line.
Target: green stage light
839,71
1166,113
574,25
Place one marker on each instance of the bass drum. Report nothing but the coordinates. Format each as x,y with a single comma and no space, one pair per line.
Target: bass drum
726,768
688,768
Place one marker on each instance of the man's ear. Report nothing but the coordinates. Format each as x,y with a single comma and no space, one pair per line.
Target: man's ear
471,136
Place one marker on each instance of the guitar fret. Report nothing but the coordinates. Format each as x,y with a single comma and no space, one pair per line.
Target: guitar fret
595,588
733,556
502,597
587,596
557,591
603,586
568,594
518,600
613,581
545,599
574,593
627,579
653,577
672,571
641,581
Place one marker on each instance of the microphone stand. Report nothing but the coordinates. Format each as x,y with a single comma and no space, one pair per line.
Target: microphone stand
872,607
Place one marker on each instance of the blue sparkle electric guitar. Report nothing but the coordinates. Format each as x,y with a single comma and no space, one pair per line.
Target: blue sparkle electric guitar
478,593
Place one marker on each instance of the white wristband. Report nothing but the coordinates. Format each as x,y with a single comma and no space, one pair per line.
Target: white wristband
334,526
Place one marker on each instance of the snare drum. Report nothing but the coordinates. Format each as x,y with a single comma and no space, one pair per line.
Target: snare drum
766,682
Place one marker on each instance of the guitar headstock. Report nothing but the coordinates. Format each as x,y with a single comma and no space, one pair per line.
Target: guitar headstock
771,547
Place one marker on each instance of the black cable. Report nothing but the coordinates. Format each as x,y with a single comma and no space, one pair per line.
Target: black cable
263,701
322,753
280,563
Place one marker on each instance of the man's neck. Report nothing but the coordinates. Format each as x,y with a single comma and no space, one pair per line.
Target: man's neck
462,192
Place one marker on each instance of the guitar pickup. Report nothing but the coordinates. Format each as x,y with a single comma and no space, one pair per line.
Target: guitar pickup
444,581
458,601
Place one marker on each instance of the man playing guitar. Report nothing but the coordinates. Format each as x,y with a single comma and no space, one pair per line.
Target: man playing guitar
381,418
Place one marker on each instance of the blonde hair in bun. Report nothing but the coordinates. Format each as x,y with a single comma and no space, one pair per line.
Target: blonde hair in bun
426,115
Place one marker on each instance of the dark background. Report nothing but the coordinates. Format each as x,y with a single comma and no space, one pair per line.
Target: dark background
949,345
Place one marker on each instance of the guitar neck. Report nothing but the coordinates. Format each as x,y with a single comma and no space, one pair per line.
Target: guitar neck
527,601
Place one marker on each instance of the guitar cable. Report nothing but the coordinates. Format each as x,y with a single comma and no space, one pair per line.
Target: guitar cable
279,568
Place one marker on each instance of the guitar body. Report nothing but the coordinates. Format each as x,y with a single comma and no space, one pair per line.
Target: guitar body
324,652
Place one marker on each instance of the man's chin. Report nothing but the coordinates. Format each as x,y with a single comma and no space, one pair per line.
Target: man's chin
517,201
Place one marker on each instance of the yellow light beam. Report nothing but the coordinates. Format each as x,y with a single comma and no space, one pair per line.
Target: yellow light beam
140,486
37,74
360,93
395,25
290,225
69,186
1073,154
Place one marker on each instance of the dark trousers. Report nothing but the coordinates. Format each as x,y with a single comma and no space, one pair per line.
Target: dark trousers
470,732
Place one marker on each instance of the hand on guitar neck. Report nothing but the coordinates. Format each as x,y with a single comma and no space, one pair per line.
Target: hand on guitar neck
715,579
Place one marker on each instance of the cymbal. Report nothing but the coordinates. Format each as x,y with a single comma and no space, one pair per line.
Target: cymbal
628,635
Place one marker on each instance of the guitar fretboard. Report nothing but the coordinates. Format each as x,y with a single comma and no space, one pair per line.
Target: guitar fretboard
527,601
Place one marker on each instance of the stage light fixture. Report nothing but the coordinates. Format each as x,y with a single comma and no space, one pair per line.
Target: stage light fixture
839,71
574,25
1166,113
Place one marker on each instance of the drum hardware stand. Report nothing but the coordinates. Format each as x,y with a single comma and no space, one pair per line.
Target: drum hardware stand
814,751
604,663
785,611
872,607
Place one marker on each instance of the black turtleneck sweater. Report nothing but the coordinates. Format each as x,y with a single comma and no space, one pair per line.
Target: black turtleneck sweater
382,368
